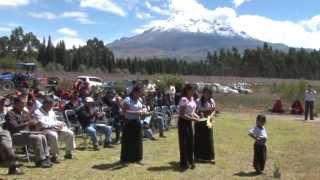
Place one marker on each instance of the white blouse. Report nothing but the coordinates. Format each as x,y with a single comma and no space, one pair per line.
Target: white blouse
207,105
133,106
190,105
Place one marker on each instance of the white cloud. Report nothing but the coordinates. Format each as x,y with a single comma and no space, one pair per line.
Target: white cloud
157,9
238,3
43,15
103,5
70,42
304,33
5,29
312,24
76,15
68,32
79,16
291,33
14,3
143,15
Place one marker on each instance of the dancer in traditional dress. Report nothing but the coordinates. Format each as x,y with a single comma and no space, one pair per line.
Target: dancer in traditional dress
204,147
131,144
187,116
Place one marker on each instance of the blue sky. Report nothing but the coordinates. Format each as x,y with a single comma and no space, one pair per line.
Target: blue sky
78,20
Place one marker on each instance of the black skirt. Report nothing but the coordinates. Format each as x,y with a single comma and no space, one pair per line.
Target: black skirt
186,143
131,144
204,147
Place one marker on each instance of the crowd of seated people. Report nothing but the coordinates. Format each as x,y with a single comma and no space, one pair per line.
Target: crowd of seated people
30,119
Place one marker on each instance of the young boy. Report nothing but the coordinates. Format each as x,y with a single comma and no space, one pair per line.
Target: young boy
259,134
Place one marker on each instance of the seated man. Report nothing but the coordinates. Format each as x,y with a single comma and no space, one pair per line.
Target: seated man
87,116
147,132
297,108
20,125
7,152
55,130
277,107
159,118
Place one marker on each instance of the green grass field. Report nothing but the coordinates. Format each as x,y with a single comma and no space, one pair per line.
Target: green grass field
293,146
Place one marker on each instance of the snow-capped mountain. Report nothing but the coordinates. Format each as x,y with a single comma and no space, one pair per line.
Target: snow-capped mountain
183,37
218,26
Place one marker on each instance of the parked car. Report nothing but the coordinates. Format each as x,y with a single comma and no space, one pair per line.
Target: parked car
92,80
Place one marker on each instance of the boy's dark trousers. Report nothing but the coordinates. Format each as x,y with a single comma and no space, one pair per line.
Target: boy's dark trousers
309,107
260,156
186,143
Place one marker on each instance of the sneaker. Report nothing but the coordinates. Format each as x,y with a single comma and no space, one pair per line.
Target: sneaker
55,160
43,164
68,156
96,147
13,170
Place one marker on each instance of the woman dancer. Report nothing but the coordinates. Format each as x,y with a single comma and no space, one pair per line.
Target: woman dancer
204,147
187,115
131,144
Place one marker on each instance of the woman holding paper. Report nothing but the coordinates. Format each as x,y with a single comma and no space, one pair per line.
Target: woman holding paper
204,148
187,116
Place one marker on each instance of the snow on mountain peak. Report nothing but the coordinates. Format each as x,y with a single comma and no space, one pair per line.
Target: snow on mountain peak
217,22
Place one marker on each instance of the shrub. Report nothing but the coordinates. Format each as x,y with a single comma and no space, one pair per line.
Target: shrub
51,67
292,91
167,80
65,84
7,62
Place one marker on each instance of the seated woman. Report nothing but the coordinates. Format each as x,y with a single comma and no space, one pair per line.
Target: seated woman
296,108
277,107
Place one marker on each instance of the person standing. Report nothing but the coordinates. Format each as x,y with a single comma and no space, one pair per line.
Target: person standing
187,115
259,134
131,143
310,98
204,147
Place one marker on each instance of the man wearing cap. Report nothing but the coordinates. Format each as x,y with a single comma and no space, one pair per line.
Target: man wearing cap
55,130
20,125
87,116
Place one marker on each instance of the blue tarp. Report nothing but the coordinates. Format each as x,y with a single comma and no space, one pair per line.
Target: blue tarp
7,76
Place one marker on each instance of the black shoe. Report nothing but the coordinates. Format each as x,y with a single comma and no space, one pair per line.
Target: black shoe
68,156
55,160
107,145
43,164
153,138
163,136
117,142
13,170
183,168
193,166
